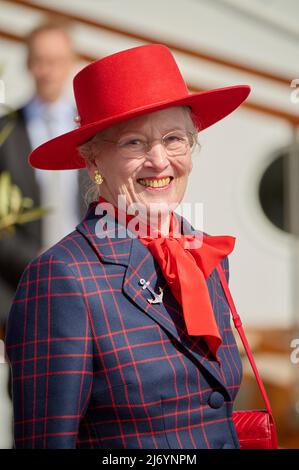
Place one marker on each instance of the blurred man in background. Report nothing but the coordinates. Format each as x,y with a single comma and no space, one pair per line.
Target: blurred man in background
50,60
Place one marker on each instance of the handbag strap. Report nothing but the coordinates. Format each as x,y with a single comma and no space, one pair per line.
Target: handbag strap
239,327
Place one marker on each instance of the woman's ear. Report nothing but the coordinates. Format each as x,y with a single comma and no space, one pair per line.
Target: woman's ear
91,167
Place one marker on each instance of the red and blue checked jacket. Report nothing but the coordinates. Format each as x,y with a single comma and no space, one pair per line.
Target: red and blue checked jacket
94,365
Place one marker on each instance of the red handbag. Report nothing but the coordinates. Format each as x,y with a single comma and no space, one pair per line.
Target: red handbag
256,429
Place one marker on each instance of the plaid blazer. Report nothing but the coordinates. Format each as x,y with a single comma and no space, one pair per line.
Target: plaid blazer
95,365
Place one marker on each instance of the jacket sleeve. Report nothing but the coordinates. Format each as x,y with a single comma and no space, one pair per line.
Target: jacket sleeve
49,347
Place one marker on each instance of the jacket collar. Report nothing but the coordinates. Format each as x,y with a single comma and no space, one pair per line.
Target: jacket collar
111,239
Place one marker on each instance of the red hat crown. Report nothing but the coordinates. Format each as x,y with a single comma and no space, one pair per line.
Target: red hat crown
126,81
127,84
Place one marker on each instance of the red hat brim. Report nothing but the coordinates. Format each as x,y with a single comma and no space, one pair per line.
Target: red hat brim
208,107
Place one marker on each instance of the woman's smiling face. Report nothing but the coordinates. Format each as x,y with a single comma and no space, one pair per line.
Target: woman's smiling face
152,177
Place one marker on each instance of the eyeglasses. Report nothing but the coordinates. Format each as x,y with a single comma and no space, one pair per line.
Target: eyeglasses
175,143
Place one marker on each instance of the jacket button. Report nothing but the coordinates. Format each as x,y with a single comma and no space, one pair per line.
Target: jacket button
216,400
228,446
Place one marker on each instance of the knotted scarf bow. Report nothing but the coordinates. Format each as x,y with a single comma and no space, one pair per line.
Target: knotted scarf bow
186,262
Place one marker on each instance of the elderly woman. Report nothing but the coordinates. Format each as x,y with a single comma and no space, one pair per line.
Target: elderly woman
119,335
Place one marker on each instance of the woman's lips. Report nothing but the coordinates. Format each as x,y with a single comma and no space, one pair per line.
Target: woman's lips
156,184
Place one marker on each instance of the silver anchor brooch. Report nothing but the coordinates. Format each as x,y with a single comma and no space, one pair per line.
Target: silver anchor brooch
157,298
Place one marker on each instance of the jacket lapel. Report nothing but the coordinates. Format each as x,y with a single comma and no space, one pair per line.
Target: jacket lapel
128,251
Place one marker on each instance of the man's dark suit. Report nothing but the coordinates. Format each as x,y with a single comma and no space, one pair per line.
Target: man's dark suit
17,250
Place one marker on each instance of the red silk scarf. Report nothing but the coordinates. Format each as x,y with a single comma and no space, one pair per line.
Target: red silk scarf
186,262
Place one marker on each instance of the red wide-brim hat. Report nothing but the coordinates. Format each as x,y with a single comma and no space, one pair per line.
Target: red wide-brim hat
125,85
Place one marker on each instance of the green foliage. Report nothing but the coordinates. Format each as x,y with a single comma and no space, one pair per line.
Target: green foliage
14,207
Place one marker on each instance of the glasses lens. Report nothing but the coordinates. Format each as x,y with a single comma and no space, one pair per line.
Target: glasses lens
132,147
178,142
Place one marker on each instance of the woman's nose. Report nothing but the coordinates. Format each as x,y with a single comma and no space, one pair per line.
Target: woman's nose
157,157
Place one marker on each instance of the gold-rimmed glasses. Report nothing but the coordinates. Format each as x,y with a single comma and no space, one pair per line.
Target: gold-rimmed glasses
175,143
